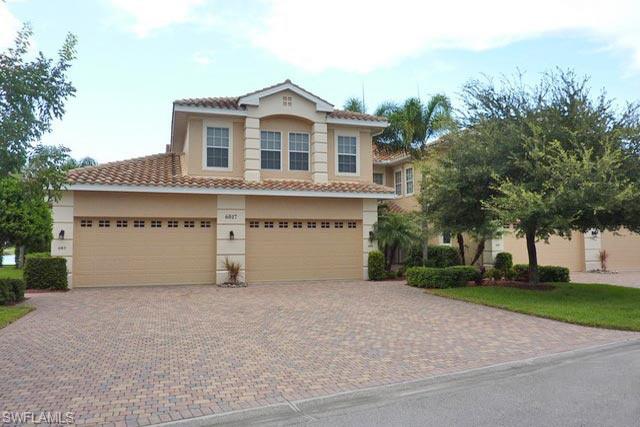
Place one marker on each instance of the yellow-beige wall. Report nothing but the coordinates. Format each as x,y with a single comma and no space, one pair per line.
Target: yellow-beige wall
365,152
266,207
114,204
623,248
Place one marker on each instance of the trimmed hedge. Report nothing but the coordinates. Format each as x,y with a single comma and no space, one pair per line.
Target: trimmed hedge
375,266
503,262
547,273
11,291
449,277
42,271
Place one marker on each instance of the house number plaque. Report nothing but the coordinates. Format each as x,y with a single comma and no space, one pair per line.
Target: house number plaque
230,216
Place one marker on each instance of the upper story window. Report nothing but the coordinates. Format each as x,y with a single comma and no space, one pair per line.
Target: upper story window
217,154
378,178
408,177
287,100
298,151
347,154
270,149
398,182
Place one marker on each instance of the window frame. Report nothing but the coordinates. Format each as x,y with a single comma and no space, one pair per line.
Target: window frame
216,124
382,174
396,182
281,150
349,134
289,152
406,181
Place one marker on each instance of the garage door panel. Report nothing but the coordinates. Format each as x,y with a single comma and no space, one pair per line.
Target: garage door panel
284,254
111,256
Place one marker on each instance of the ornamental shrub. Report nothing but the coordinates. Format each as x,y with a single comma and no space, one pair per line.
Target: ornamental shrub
449,277
11,291
375,264
42,271
503,262
547,273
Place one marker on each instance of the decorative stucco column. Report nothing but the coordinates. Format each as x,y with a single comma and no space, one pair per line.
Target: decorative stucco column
592,247
319,171
231,219
252,149
369,218
491,249
62,241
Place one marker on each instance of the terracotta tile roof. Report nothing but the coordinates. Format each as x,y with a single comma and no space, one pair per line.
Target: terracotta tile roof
232,103
165,170
395,208
384,154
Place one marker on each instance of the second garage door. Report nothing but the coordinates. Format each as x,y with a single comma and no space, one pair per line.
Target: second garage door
285,250
143,251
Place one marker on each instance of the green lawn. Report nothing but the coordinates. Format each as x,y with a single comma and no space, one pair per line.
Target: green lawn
605,306
10,272
11,314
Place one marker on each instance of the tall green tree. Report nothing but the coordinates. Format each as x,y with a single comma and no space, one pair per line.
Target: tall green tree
456,184
32,94
563,160
412,125
355,104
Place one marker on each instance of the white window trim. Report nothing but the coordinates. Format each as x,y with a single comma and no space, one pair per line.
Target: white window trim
213,124
281,149
406,181
289,151
395,183
384,178
352,134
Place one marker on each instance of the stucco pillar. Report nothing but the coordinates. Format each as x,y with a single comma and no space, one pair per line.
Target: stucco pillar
62,212
491,249
369,218
592,247
319,171
231,218
252,149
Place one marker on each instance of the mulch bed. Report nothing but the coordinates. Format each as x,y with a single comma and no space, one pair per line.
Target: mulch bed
44,291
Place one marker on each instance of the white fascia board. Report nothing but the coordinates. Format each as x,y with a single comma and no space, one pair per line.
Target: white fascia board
209,110
355,122
230,191
254,98
392,162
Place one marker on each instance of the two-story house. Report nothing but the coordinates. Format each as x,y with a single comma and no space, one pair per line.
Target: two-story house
398,171
277,180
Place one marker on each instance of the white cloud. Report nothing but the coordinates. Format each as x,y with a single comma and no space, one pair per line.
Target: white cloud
151,15
9,26
363,35
203,58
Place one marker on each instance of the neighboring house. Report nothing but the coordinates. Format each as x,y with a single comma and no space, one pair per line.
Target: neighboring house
276,179
582,253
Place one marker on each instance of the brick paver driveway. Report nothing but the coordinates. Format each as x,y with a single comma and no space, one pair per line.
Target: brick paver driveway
146,355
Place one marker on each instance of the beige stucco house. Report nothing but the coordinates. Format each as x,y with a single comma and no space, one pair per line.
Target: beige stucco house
580,253
277,179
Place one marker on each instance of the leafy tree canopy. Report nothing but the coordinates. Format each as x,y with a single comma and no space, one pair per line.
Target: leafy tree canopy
32,94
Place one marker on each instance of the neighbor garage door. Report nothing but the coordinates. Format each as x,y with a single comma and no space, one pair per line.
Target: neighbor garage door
143,251
279,250
559,251
623,248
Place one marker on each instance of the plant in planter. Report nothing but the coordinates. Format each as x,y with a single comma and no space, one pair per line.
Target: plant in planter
233,274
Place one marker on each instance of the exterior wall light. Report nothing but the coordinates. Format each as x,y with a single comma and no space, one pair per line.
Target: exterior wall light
231,236
61,235
372,236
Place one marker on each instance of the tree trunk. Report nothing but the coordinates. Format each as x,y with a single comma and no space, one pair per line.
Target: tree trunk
392,253
479,251
461,247
20,256
534,279
424,227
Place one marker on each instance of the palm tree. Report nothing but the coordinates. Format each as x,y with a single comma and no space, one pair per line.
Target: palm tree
395,231
412,125
354,104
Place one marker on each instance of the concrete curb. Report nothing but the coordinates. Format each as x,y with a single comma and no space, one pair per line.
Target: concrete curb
309,409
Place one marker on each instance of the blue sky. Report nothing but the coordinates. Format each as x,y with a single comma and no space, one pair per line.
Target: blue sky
136,56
